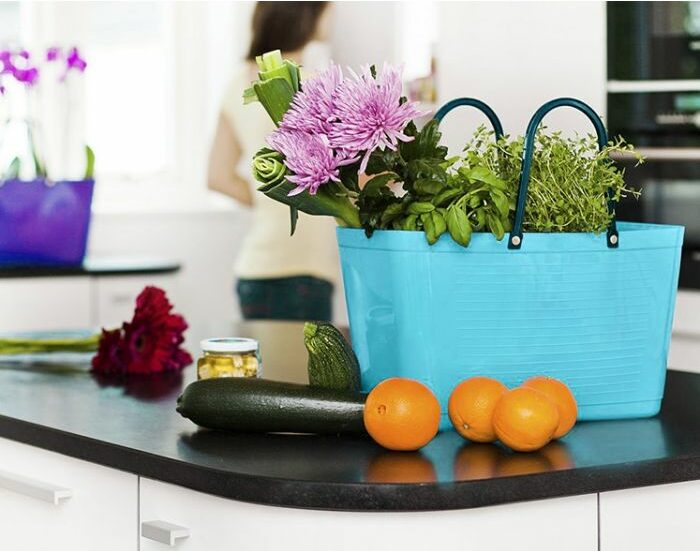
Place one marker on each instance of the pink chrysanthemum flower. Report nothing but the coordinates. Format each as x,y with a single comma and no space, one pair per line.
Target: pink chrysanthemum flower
313,108
309,157
369,113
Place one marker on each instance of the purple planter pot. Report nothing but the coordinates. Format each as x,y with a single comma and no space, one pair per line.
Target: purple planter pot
44,224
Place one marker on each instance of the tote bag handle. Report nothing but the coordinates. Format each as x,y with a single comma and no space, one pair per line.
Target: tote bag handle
516,234
472,102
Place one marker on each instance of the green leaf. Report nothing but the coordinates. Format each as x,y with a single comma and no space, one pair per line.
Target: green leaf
275,95
392,212
326,202
438,222
458,225
420,207
446,196
13,169
496,226
410,223
501,202
376,185
429,228
89,163
427,186
293,218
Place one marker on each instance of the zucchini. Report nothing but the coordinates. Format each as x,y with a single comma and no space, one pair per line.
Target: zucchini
332,362
258,405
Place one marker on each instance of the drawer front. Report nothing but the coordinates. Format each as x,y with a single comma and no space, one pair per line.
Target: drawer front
50,501
653,518
207,523
43,303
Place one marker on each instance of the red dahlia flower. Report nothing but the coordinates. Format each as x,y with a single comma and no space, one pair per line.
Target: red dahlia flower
149,343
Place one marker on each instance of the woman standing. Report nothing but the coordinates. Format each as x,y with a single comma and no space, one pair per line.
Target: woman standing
278,277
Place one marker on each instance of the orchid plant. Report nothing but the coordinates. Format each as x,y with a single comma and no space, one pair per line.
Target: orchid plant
19,68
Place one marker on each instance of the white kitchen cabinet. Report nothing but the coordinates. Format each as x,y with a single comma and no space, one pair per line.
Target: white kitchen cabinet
76,301
651,519
52,502
208,523
41,303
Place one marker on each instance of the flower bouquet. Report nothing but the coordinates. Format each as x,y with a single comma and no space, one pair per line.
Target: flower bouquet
43,219
434,290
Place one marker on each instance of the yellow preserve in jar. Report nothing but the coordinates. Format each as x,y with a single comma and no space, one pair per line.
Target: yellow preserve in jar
229,357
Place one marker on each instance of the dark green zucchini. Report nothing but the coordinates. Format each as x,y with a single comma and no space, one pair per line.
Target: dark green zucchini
259,405
332,362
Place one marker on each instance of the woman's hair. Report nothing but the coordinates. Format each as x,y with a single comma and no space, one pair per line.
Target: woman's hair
286,26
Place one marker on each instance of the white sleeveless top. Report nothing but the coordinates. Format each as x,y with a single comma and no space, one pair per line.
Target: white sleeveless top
268,249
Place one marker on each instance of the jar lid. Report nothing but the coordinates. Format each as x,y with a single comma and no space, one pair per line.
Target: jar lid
229,345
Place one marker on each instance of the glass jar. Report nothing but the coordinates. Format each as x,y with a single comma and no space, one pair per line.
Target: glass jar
229,357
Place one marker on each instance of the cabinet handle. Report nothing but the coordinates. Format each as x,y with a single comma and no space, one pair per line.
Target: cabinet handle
34,488
163,532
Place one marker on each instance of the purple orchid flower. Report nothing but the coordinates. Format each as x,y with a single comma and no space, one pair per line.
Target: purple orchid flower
53,53
74,61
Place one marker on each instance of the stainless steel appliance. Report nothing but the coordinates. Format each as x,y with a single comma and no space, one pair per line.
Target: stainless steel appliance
654,103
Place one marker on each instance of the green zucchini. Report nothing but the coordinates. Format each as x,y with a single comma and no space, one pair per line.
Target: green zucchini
258,405
332,362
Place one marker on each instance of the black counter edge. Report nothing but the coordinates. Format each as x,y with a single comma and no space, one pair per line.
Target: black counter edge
351,496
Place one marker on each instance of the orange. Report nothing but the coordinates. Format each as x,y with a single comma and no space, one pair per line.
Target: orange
402,414
400,468
560,394
471,407
475,461
525,419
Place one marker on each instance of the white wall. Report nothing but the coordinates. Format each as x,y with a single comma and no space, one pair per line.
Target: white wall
517,55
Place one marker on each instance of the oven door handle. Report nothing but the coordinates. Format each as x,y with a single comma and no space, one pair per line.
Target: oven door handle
675,154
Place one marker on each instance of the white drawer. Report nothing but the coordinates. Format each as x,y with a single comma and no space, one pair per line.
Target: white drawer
651,519
217,524
44,303
95,508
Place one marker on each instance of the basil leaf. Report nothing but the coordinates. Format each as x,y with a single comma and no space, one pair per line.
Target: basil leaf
427,186
438,222
458,225
420,207
429,227
445,196
496,226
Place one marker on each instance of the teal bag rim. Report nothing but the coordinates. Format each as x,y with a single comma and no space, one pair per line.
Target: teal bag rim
477,104
516,234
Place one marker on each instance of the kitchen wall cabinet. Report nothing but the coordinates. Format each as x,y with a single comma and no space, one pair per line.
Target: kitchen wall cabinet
651,519
207,523
52,502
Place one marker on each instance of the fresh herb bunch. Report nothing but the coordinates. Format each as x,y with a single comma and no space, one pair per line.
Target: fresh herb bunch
440,194
569,182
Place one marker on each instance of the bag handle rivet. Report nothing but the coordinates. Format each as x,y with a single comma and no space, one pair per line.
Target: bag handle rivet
613,239
515,240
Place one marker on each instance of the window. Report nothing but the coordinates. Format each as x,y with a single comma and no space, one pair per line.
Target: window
148,100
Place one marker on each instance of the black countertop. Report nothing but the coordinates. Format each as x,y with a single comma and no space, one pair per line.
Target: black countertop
96,266
136,429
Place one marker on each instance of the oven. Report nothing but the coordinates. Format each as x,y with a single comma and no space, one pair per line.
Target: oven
653,101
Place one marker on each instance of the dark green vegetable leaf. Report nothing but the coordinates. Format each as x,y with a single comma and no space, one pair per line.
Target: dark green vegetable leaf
458,225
